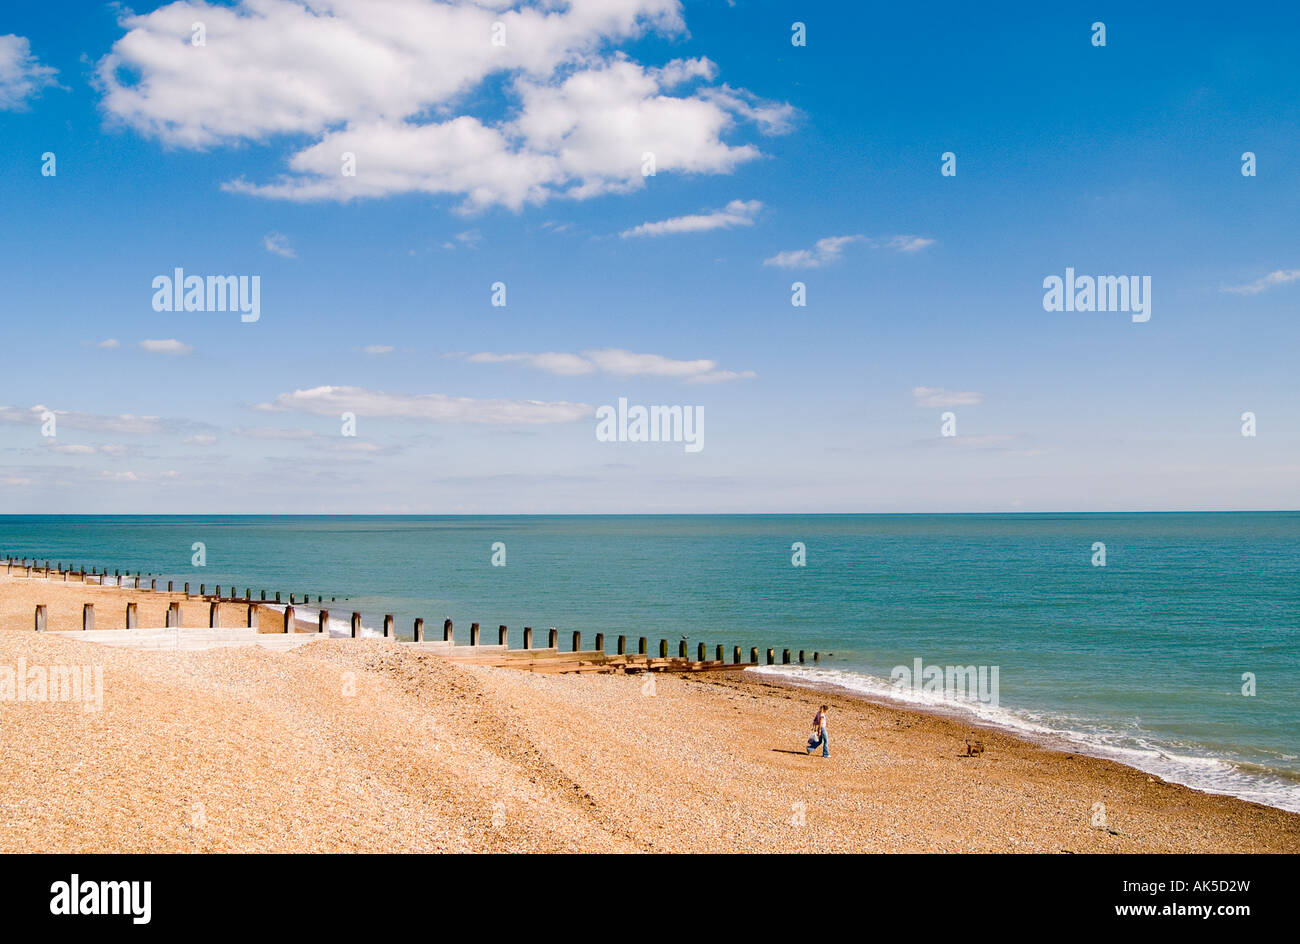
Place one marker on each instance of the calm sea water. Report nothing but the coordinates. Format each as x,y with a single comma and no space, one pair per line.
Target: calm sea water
1141,660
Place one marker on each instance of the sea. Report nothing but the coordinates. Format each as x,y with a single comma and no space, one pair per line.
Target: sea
1169,642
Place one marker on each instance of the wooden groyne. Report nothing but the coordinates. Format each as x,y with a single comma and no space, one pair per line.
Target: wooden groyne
473,650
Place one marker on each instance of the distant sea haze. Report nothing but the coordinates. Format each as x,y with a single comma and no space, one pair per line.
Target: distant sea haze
1144,659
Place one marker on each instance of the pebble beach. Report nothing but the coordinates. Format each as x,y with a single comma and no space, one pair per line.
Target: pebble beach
365,745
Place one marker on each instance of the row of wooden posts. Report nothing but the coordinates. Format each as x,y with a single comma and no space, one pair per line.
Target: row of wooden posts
287,623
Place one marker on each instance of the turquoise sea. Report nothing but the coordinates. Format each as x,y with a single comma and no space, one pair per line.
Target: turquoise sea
1141,660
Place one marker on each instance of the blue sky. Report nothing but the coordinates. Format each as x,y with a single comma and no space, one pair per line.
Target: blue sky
521,164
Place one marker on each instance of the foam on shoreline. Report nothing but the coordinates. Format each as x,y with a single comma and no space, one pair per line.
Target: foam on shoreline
1134,748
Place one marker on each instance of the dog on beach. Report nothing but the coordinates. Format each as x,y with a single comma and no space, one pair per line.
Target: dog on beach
974,748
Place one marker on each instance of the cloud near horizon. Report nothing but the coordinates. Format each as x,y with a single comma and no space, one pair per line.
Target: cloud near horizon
619,363
1263,283
735,213
428,407
831,248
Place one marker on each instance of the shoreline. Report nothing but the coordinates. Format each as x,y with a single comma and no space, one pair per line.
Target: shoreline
425,755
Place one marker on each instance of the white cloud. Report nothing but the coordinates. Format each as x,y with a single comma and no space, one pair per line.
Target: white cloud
619,363
429,407
109,343
273,432
165,346
201,439
387,89
735,213
1264,283
824,252
828,250
22,77
942,397
378,349
278,243
72,419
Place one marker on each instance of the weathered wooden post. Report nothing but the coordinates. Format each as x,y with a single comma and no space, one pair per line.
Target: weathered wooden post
288,620
681,649
699,653
218,591
663,648
801,657
771,657
323,621
174,615
187,588
817,657
642,646
214,615
448,632
263,596
622,645
87,616
40,617
248,593
718,656
277,596
356,624
419,629
577,641
553,638
291,599
252,616
735,655
753,654
785,656
203,589
503,637
131,619
153,585
528,637
473,634
389,630
600,642
169,586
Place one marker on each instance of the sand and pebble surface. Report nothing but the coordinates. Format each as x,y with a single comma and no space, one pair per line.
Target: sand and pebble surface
367,746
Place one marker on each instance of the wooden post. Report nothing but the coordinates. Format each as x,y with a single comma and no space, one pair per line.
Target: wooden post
277,596
356,624
153,585
323,621
288,620
203,589
503,637
528,637
263,596
187,588
771,657
218,591
388,626
214,616
641,646
169,586
785,656
577,641
419,630
817,657
801,657
131,619
663,648
553,638
473,634
87,616
252,616
448,632
292,600
718,654
174,615
735,655
622,645
600,642
248,594
699,653
681,649
40,617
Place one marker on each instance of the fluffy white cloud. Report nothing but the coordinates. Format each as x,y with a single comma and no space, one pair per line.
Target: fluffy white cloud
942,397
619,363
1264,283
735,213
21,76
165,346
384,79
828,250
429,407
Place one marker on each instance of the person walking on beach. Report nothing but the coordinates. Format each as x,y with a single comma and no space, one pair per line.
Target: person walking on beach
819,735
